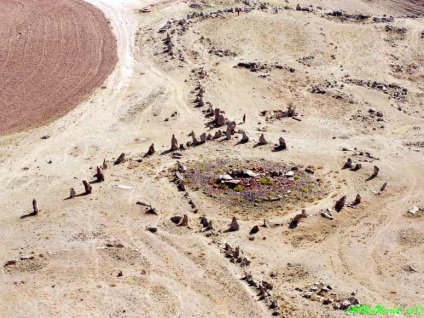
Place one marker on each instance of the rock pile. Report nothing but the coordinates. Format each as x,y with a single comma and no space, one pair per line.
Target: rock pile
264,290
383,19
324,294
345,16
236,255
394,90
206,224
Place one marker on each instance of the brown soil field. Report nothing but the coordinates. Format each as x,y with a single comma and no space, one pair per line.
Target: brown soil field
53,53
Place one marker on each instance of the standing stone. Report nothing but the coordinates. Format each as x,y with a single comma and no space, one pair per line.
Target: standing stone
383,187
195,141
216,114
219,118
356,167
120,159
88,188
184,221
199,101
174,143
340,204
357,199
231,126
35,206
99,175
104,165
170,47
203,138
234,226
262,140
348,164
220,121
72,194
375,173
151,150
245,137
218,134
281,144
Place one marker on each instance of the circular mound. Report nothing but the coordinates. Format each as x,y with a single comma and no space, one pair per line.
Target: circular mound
53,53
255,184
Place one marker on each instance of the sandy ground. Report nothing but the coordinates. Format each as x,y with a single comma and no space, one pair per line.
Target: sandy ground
179,271
53,55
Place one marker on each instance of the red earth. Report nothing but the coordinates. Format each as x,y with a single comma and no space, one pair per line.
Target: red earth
53,54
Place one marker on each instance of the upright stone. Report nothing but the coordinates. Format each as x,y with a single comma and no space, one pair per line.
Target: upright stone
174,143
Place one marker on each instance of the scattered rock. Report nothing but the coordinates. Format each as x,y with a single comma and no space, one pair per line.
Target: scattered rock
152,229
254,230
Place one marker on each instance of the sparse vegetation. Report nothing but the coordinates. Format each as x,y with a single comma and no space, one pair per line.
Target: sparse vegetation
266,181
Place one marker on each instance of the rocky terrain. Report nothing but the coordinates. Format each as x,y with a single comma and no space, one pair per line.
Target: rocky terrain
243,159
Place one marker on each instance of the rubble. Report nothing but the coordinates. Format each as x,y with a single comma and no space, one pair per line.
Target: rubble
236,255
394,90
326,295
415,209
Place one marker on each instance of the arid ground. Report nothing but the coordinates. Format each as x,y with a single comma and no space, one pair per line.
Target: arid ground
351,71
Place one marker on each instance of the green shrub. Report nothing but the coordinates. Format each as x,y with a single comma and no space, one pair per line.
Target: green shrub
266,181
238,188
296,177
